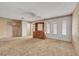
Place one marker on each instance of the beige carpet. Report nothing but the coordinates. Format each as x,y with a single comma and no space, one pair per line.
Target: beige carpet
36,47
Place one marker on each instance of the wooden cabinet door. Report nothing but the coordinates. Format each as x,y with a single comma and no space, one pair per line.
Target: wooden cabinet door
39,30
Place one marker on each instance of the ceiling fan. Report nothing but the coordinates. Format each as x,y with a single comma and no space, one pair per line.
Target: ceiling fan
29,14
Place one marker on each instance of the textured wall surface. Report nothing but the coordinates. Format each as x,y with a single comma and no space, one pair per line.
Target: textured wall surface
5,29
75,28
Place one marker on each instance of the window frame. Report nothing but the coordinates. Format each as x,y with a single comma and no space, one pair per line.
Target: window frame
55,25
48,28
64,27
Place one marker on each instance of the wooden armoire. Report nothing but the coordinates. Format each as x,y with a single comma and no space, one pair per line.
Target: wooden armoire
39,30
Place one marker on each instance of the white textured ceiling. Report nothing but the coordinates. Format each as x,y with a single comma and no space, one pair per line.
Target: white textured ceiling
31,11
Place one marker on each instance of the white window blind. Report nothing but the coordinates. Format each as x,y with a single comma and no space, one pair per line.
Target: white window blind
64,28
55,28
48,28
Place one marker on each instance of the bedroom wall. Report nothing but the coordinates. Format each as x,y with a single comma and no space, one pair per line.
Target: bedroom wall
75,28
59,35
8,26
5,29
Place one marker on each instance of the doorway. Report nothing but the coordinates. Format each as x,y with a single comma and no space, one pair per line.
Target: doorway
16,28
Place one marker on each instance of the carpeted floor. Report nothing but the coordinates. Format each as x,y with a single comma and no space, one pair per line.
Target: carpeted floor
36,47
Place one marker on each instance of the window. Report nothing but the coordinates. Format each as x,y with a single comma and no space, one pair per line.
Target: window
64,29
54,28
48,28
